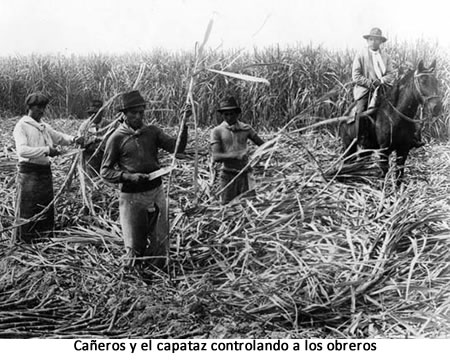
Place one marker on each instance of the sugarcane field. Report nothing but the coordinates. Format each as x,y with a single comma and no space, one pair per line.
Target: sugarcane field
329,243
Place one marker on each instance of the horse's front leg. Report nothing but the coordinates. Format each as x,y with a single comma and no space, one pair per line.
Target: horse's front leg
383,139
402,155
384,161
349,141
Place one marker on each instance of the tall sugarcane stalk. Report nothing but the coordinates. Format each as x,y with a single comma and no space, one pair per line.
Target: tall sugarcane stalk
190,101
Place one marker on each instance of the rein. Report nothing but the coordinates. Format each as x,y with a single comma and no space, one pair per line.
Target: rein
403,116
423,100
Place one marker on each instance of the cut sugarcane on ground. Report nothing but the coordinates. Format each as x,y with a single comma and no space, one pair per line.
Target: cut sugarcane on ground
308,256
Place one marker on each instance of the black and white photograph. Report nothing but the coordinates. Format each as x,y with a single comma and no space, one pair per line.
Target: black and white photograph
203,169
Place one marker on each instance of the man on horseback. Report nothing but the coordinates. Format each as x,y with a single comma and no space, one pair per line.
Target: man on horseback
374,75
371,71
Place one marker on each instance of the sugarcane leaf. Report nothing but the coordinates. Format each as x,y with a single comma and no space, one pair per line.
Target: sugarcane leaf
241,76
206,37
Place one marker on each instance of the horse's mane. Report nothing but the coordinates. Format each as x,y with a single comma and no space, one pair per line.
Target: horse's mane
399,84
405,79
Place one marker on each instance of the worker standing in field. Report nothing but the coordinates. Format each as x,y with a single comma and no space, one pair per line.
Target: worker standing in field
374,76
93,128
131,154
229,146
36,142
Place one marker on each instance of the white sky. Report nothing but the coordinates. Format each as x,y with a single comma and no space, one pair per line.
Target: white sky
86,26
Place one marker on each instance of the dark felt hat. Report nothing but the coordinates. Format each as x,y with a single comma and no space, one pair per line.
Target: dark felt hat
94,106
37,98
229,103
376,33
130,100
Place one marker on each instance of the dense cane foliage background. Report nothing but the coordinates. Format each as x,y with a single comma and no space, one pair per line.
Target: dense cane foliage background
301,77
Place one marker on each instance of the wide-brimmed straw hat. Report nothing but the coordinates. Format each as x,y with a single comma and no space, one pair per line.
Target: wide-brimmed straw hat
130,100
376,33
94,106
37,98
229,103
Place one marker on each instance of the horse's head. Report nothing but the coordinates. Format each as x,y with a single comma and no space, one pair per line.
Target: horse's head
427,88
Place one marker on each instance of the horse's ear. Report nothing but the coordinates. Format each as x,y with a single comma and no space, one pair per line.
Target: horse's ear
420,67
433,66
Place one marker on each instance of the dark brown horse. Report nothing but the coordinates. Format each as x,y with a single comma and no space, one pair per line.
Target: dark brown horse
392,127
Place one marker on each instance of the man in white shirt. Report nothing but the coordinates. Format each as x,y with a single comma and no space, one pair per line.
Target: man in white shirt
372,71
371,68
36,142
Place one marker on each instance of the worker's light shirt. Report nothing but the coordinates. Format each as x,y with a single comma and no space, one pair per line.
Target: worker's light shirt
33,140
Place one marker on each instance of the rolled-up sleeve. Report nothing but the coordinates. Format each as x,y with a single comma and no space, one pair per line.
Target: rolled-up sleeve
59,138
168,143
215,137
253,136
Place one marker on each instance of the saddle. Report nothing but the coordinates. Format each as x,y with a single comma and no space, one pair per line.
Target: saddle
373,103
370,113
